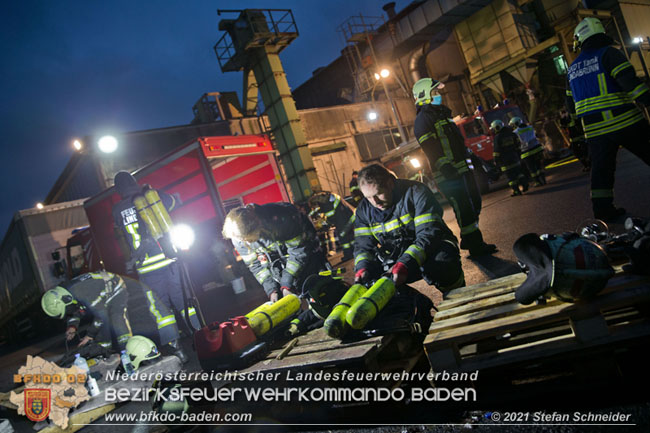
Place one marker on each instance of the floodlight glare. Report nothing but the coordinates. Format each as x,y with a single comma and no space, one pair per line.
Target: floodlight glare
372,115
77,145
415,163
182,236
107,144
384,73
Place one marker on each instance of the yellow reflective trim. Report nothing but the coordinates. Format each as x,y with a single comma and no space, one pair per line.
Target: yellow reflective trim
155,266
639,90
531,152
132,229
426,136
626,119
362,231
417,253
469,228
360,257
619,68
153,259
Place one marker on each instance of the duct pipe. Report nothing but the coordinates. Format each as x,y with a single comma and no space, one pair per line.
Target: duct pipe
414,68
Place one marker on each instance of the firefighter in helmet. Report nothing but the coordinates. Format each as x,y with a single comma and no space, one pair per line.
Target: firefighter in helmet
141,349
278,244
506,156
602,89
399,229
444,146
530,150
339,214
155,268
100,294
354,189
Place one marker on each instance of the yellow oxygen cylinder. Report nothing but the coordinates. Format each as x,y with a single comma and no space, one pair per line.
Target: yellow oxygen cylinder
371,303
335,324
266,318
147,216
159,210
262,307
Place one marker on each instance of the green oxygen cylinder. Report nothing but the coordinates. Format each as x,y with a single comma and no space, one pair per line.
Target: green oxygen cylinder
366,308
158,209
266,318
262,307
147,216
335,324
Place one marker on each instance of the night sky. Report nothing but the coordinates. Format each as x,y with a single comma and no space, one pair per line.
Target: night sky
76,68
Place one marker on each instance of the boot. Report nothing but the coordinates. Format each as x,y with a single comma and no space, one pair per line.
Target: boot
482,249
178,351
609,214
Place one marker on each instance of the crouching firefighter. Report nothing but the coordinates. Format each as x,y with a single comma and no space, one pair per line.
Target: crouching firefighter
338,214
142,217
506,156
399,229
102,295
279,245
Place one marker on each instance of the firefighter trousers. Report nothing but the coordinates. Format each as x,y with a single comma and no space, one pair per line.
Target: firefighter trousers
166,284
533,163
114,321
465,199
443,269
515,177
603,150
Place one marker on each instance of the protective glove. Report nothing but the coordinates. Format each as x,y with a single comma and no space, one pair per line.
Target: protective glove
400,272
361,276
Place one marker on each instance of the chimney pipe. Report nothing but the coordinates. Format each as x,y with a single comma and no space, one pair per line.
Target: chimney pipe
390,9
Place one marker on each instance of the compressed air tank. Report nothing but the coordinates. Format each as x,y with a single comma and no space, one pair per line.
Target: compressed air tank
370,303
146,215
159,210
264,319
335,324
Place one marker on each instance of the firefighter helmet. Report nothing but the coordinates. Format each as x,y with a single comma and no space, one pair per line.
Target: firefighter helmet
242,223
423,91
515,122
324,293
496,125
567,267
140,348
585,29
55,300
126,185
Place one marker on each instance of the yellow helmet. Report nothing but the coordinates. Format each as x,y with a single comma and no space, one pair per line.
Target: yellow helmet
140,349
585,29
55,300
423,91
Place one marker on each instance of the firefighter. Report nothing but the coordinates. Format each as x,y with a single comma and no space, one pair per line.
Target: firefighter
338,214
573,128
354,189
445,148
602,90
530,150
101,294
278,244
154,268
506,156
399,229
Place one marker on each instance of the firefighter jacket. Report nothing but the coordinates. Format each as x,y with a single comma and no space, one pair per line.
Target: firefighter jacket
287,245
573,127
602,87
441,141
355,192
506,149
337,212
92,291
529,144
410,231
144,248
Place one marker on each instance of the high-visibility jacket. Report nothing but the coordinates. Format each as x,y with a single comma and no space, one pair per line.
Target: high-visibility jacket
410,231
93,291
143,246
441,141
288,244
529,144
506,149
338,213
603,87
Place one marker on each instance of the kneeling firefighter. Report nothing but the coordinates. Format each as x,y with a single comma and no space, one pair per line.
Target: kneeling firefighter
399,229
278,244
101,294
142,217
339,214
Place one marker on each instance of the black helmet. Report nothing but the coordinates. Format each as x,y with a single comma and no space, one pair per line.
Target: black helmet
324,293
126,185
567,267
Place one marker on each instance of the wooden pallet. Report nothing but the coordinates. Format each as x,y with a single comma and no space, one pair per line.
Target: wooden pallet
482,326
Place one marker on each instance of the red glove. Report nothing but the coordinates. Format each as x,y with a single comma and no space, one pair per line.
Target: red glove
400,272
285,290
361,276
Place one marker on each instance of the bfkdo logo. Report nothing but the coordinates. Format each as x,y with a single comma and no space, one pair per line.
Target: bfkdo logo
37,404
